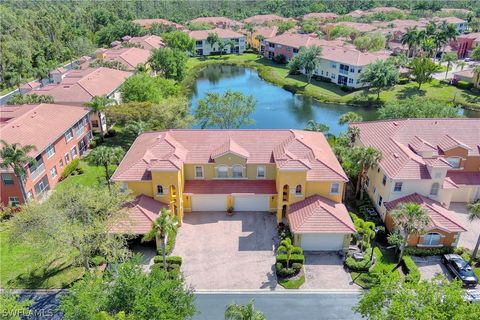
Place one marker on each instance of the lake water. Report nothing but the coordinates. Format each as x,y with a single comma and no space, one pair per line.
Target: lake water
276,107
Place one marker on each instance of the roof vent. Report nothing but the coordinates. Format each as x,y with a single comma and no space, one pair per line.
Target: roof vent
395,123
396,155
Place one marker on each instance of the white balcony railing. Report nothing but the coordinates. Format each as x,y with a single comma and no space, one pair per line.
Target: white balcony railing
40,169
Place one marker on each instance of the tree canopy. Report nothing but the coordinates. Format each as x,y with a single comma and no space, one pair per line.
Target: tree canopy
380,75
230,110
179,40
144,88
171,63
422,69
417,107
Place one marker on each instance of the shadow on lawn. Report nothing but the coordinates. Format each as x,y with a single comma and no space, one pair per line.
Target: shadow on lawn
471,97
409,92
38,276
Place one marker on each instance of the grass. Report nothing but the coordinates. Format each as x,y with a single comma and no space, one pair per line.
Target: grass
292,284
24,266
384,264
92,175
477,271
329,92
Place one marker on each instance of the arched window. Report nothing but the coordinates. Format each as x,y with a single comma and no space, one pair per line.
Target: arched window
431,239
237,171
434,189
159,189
298,189
222,171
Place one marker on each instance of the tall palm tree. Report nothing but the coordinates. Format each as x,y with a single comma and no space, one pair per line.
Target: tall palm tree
163,227
313,125
15,157
449,32
449,58
97,105
349,117
409,218
106,156
476,76
410,38
474,215
243,312
367,158
309,60
428,47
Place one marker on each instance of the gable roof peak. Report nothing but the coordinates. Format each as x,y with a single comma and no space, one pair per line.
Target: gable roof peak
230,146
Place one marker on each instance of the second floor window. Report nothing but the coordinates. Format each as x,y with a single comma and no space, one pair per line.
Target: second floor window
261,172
434,189
237,171
7,179
298,189
222,172
335,188
159,189
74,152
50,151
198,172
69,135
53,172
398,186
454,162
384,180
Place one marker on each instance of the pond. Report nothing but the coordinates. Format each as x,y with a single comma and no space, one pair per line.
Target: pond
276,108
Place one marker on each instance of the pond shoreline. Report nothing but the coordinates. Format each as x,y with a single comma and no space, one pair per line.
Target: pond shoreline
270,75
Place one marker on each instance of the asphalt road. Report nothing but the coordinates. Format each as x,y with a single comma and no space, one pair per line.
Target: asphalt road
280,305
211,306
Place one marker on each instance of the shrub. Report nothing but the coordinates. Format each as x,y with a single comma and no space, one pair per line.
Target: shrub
174,260
464,84
69,169
323,79
464,252
422,252
278,267
295,258
111,133
280,59
346,88
98,261
403,80
297,250
286,272
411,270
359,265
297,266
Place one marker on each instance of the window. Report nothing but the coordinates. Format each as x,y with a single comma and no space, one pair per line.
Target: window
350,80
454,162
159,189
50,151
352,69
260,172
298,189
53,172
69,135
198,172
335,188
333,76
36,168
42,186
74,152
95,123
398,187
334,65
60,163
295,50
7,179
222,172
434,189
67,157
123,187
380,200
384,180
431,239
13,201
237,171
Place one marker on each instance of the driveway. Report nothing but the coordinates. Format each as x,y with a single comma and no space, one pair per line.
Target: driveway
221,252
468,239
431,266
325,271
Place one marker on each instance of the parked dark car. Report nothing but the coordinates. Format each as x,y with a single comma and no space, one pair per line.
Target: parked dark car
460,269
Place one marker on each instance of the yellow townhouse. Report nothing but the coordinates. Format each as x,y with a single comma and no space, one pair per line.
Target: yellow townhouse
290,173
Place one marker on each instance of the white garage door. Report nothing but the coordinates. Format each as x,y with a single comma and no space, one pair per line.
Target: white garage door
251,203
209,202
322,242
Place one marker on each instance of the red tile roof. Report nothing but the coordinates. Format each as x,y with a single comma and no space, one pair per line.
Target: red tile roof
216,20
289,149
138,216
394,137
80,86
462,178
267,32
148,22
316,214
230,146
148,42
38,125
362,27
230,187
439,216
320,15
222,33
297,40
129,57
352,56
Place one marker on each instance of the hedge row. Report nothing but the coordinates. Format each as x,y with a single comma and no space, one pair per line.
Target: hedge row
69,168
177,260
411,270
360,265
294,258
423,252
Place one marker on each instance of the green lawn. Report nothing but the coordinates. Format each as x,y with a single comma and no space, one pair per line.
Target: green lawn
292,284
92,175
329,92
477,271
23,266
384,264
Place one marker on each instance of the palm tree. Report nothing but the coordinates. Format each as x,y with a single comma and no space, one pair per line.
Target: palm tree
349,117
243,312
97,105
474,215
163,227
476,76
313,125
212,39
367,158
287,248
231,44
410,38
15,157
409,218
449,58
461,64
137,127
428,47
449,32
106,156
309,60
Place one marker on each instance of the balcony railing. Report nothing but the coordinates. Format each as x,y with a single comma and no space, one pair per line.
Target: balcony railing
40,169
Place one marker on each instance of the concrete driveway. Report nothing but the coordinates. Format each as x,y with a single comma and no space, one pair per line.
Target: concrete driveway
221,252
431,266
468,239
325,271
